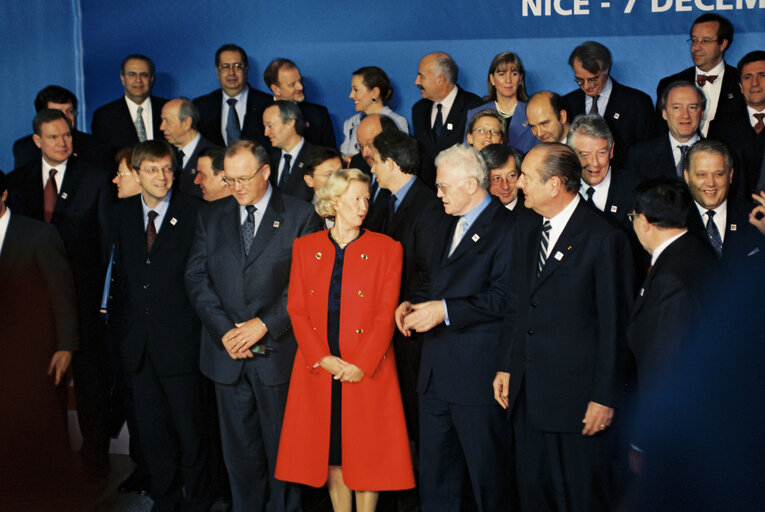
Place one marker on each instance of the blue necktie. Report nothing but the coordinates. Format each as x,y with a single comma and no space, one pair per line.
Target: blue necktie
233,132
248,228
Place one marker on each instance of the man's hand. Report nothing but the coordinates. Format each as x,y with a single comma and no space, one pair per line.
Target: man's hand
241,338
502,389
402,310
59,363
596,419
425,315
759,210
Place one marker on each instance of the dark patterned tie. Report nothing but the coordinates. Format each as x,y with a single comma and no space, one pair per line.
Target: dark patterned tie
594,109
233,132
50,192
759,125
151,231
714,234
438,124
543,246
248,228
285,171
681,163
590,193
703,79
391,212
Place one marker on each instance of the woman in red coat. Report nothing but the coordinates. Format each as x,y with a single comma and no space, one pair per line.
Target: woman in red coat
344,422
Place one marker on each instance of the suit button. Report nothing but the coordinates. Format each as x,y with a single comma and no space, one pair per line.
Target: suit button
531,332
310,292
148,261
146,287
361,294
359,331
146,311
533,305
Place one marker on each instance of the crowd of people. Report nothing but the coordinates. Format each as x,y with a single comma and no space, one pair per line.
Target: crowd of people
483,314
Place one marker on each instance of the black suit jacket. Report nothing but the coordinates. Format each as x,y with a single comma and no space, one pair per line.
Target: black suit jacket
150,310
81,217
186,174
652,159
225,286
741,241
318,126
85,146
423,133
113,124
734,129
566,328
295,186
629,113
210,108
459,360
730,93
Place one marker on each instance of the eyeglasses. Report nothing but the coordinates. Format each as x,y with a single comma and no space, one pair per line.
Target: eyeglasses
238,66
590,81
484,131
123,174
233,182
133,74
509,178
444,188
703,42
153,171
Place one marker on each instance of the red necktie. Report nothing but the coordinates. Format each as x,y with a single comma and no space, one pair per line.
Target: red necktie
50,192
702,79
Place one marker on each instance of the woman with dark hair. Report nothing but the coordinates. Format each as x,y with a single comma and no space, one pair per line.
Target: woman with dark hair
507,95
370,91
344,421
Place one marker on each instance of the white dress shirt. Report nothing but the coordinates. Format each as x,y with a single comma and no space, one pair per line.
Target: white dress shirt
752,112
603,98
145,115
712,92
719,218
676,153
188,150
558,223
446,107
601,191
5,219
59,177
294,154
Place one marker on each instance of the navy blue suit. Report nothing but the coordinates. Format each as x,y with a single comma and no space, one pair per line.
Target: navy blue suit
460,425
295,185
112,123
210,108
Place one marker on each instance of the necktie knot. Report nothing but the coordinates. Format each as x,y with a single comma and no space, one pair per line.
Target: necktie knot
250,209
710,214
152,215
231,102
140,110
590,193
703,79
594,108
52,174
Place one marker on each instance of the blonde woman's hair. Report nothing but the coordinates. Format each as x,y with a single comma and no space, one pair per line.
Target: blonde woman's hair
334,187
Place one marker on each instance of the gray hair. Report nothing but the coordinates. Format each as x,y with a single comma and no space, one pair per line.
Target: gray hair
591,125
289,110
188,109
469,160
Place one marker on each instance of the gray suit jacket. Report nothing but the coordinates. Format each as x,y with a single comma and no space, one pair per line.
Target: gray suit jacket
225,287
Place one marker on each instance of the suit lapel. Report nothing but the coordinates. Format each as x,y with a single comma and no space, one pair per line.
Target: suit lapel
406,202
231,229
66,196
473,236
269,224
169,222
565,246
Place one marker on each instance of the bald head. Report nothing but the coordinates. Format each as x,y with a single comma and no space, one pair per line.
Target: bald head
436,76
547,118
369,128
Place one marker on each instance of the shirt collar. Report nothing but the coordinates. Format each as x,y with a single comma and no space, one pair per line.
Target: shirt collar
146,103
189,148
560,220
60,168
295,151
657,252
448,101
690,142
473,214
161,208
401,192
241,97
603,185
261,204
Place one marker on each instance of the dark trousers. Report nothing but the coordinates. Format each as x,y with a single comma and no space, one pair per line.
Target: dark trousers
455,437
170,414
251,415
559,471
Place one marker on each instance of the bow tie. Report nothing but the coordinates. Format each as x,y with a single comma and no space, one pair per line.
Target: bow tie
702,79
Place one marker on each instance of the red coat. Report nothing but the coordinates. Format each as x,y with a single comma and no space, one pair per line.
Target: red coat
375,445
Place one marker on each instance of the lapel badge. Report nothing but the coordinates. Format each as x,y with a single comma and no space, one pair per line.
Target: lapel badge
364,257
558,255
64,195
733,227
318,255
730,95
614,209
449,126
276,223
616,115
300,165
642,291
475,238
173,221
525,124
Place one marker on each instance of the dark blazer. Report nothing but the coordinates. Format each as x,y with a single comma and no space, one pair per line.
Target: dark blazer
86,147
210,108
565,331
741,240
459,361
651,159
734,129
730,93
184,180
619,201
629,113
669,304
295,186
150,310
113,124
226,287
81,217
318,126
423,133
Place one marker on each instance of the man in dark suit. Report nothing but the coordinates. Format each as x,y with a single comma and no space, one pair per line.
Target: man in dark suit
209,174
320,163
711,35
682,105
218,122
179,125
38,326
547,117
504,163
284,126
460,308
158,331
237,277
411,214
717,218
369,128
75,197
628,112
439,118
85,146
742,129
283,79
572,289
135,117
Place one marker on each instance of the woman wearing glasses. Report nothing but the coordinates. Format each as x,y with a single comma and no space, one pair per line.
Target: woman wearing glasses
344,421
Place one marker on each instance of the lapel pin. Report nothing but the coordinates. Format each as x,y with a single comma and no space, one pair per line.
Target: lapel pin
449,126
318,255
173,221
476,238
642,291
64,195
568,248
558,255
276,223
525,124
730,95
300,165
616,115
364,257
733,227
614,209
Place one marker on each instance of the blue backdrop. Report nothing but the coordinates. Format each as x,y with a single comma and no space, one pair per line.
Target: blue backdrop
329,40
